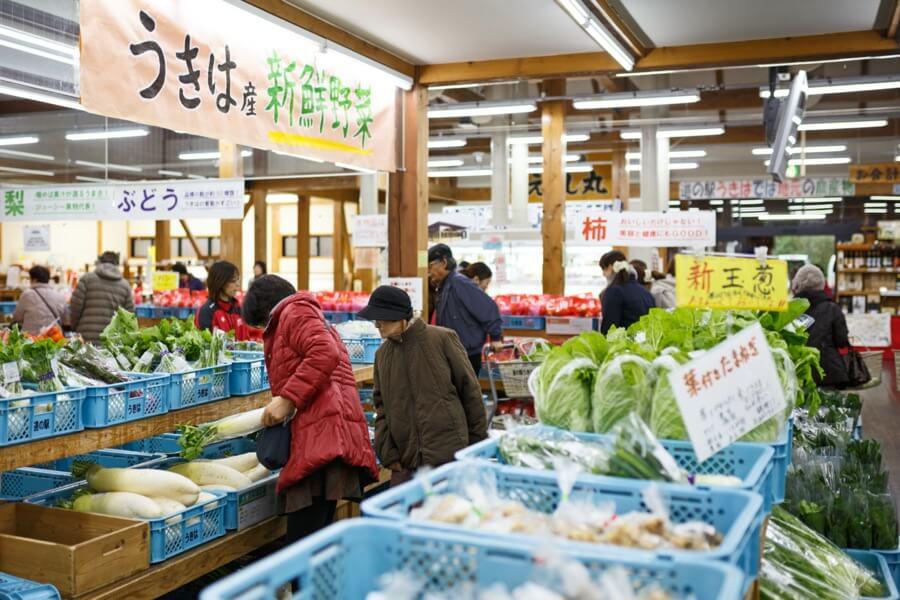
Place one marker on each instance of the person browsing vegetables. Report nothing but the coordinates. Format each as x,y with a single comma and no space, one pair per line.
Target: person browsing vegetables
222,310
40,305
98,296
828,333
625,300
428,402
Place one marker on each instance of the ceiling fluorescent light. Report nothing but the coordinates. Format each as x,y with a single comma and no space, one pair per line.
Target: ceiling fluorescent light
106,134
676,166
835,125
748,202
608,42
41,42
461,173
750,209
208,155
19,140
537,158
568,169
795,150
450,162
816,200
806,207
167,173
191,176
576,10
108,166
635,134
887,198
28,171
66,60
480,109
831,160
29,155
672,154
875,211
20,92
841,86
636,99
446,143
716,202
792,217
569,138
92,179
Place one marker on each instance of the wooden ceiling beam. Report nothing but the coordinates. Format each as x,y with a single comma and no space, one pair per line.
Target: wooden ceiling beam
894,23
304,185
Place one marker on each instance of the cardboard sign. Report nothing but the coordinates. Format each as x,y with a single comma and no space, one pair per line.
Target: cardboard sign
730,282
869,330
36,238
695,228
412,286
370,231
728,391
165,281
568,325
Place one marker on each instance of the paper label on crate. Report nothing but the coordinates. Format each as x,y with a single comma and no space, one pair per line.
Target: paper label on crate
123,361
728,391
11,372
54,366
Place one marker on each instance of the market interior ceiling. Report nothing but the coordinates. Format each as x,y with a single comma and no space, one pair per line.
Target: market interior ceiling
478,36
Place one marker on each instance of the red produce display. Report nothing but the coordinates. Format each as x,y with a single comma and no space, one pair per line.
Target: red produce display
547,305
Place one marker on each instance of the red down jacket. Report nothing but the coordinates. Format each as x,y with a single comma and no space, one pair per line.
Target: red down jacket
309,365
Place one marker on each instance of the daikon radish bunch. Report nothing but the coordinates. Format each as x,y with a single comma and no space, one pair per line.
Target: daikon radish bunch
224,474
195,437
146,482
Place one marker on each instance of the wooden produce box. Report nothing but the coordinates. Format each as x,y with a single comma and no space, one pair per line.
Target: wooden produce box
76,552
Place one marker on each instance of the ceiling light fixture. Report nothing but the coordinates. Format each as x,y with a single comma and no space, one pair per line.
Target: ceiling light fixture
815,200
887,198
672,154
830,160
676,166
21,92
445,163
806,150
748,202
875,211
106,134
791,217
37,45
635,99
29,155
568,169
803,207
538,158
635,134
840,86
461,173
208,155
108,166
92,179
598,32
446,142
480,109
836,125
569,138
28,171
19,140
190,176
167,173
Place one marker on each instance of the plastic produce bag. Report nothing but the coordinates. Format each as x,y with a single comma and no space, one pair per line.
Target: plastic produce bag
624,385
538,447
562,392
357,329
665,416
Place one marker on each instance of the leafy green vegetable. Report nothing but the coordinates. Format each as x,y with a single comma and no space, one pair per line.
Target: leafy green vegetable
11,352
623,385
39,366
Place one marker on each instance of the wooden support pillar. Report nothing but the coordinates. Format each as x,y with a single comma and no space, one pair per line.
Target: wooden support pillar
99,238
260,224
231,244
163,241
337,246
620,183
303,244
553,182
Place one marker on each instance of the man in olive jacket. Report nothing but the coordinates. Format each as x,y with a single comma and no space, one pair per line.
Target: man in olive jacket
427,399
98,295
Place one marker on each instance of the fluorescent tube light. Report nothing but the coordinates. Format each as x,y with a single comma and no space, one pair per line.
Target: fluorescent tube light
480,109
576,10
92,179
569,138
807,150
609,43
461,173
537,158
191,176
672,154
749,210
446,143
167,173
840,86
28,171
568,169
108,166
835,125
208,155
106,134
792,217
888,198
810,207
635,134
808,161
29,155
450,162
19,92
875,211
676,166
19,140
748,202
716,202
35,40
817,200
636,99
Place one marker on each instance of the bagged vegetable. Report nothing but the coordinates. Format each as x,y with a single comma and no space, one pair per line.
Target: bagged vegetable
561,387
624,385
665,416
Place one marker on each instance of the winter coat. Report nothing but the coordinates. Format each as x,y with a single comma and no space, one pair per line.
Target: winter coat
663,292
98,295
38,307
427,399
624,304
828,334
192,284
464,307
309,365
225,316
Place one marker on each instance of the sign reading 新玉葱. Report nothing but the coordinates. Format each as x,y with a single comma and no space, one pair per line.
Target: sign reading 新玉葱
215,69
695,228
730,282
804,187
148,200
728,391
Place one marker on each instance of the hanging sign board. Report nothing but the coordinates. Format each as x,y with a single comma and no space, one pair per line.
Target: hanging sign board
594,185
369,231
804,187
165,281
648,229
875,173
209,67
869,330
36,238
730,282
149,201
728,391
412,286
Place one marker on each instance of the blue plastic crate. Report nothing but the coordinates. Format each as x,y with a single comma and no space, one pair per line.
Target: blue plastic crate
144,311
780,463
181,312
892,558
142,397
170,535
17,484
346,560
248,373
532,323
199,386
46,415
365,395
16,588
877,564
752,464
167,443
735,514
7,308
362,350
111,458
336,317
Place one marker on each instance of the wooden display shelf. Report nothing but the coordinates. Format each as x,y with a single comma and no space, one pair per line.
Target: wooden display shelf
872,270
859,293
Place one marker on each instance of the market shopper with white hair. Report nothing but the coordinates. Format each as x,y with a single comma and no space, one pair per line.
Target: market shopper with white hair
625,300
828,334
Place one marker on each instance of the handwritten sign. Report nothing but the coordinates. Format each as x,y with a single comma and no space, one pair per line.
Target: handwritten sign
869,330
728,391
36,238
650,229
164,281
729,282
875,173
805,187
412,286
593,185
370,231
208,67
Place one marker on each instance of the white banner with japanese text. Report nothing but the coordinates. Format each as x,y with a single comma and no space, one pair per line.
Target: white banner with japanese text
804,187
694,228
148,200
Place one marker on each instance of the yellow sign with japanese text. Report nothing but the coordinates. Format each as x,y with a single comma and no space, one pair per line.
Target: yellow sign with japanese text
875,173
730,282
164,281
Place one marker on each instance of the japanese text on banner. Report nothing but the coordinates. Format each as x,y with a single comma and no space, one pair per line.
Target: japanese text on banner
728,391
726,282
653,229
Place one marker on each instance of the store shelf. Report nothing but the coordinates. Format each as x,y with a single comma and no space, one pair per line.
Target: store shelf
873,270
859,293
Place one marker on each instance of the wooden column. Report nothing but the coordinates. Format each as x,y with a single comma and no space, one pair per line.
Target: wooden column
408,192
620,184
553,182
337,246
99,238
163,241
303,254
231,245
260,225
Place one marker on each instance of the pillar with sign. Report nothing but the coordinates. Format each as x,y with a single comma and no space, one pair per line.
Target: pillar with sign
553,230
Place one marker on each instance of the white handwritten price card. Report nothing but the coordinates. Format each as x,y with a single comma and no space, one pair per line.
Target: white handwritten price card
728,391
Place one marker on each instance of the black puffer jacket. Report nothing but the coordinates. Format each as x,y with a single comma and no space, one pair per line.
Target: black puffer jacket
828,334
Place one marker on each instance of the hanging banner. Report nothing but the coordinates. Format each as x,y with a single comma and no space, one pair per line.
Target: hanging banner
877,173
806,187
36,238
369,231
211,68
695,228
730,282
594,185
728,391
148,201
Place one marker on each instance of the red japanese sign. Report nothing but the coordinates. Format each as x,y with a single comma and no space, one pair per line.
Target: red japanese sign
696,228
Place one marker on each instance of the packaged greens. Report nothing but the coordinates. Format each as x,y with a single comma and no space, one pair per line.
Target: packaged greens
39,365
91,363
11,363
540,447
623,386
665,416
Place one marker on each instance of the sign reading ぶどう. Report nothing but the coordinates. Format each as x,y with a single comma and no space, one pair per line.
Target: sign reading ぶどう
728,391
730,282
652,229
212,68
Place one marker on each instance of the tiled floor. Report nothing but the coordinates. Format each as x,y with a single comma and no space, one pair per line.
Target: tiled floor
881,421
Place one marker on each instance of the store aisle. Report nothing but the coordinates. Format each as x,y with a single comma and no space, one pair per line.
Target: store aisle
881,421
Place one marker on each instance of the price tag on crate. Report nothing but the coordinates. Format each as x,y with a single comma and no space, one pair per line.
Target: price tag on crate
728,391
569,325
11,372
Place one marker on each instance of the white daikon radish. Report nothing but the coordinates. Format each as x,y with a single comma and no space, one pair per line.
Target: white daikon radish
257,473
118,504
147,482
210,473
240,462
195,437
167,505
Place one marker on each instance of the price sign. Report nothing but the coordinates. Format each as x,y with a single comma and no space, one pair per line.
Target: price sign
412,286
11,372
728,391
568,325
165,280
369,231
730,282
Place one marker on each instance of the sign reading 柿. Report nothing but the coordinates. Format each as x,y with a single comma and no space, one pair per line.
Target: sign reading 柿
696,228
730,282
728,391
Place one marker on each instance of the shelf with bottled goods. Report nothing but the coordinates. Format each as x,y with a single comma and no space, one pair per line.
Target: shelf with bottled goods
868,277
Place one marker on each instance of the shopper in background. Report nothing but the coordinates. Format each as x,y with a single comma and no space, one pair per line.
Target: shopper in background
462,306
624,301
259,269
663,290
186,280
40,305
828,333
312,384
428,402
222,310
480,273
98,295
644,275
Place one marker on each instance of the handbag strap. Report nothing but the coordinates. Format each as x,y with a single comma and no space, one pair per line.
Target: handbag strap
47,304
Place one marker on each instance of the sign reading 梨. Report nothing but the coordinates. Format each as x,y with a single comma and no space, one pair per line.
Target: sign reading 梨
213,69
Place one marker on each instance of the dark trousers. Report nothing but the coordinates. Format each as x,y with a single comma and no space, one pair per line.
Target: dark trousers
475,359
309,520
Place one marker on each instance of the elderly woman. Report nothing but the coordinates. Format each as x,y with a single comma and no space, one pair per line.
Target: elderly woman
828,334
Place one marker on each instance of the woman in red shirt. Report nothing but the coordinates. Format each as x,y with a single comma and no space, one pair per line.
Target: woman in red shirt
222,310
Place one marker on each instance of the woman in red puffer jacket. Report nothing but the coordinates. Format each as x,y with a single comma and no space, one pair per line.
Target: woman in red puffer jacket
311,378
